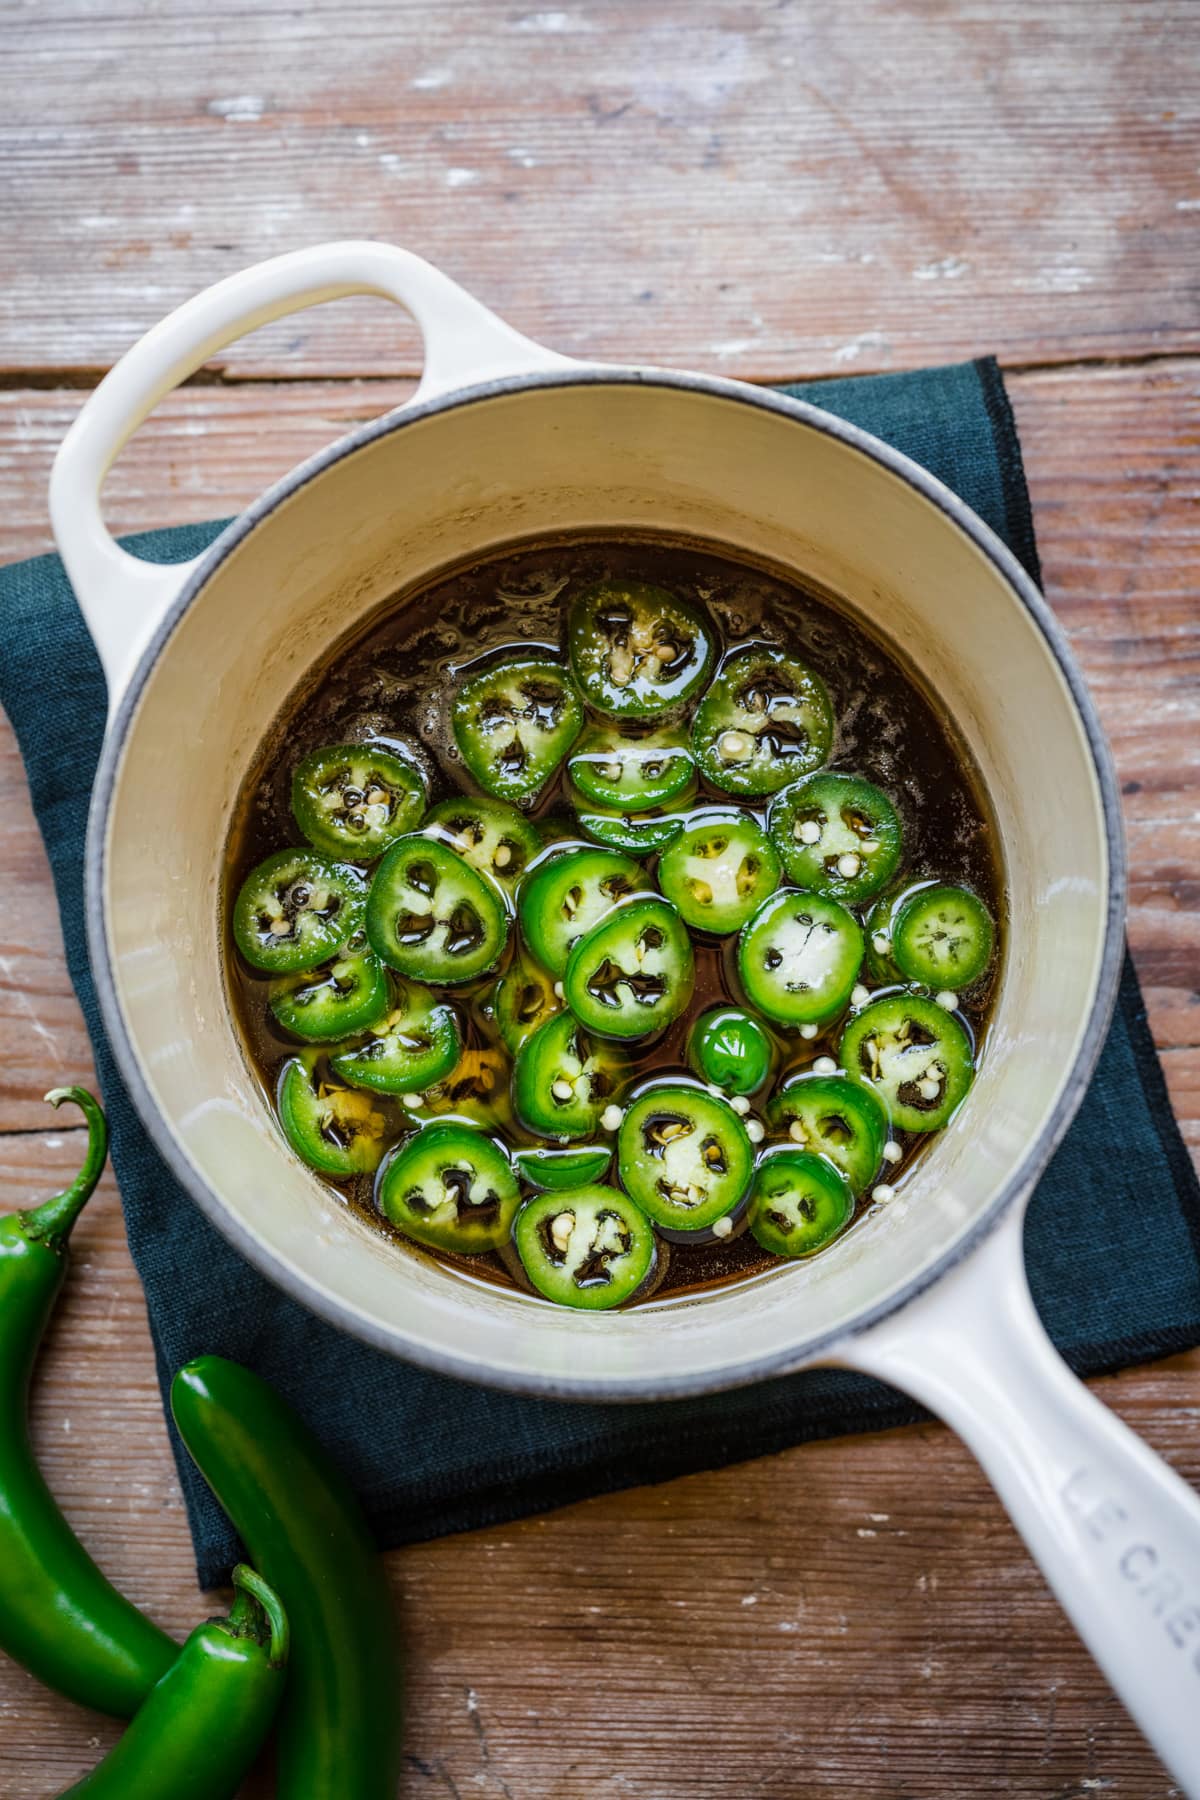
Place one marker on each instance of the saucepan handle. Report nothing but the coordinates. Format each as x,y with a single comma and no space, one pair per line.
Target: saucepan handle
1116,1532
122,597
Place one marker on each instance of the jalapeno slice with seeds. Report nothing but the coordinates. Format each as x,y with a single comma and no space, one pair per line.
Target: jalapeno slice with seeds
452,1188
344,995
432,916
799,956
488,834
731,1049
637,650
719,870
623,774
641,834
551,1170
587,1246
916,1056
567,894
683,1156
475,1092
766,720
562,1080
633,972
413,1044
337,1130
942,936
835,1118
514,723
523,999
297,909
838,835
799,1203
355,799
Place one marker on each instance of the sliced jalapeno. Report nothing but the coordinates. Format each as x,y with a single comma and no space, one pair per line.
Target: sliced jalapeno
487,834
413,1044
452,1188
586,1246
766,720
432,916
916,1056
577,1165
514,723
296,910
354,799
523,999
834,1118
475,1092
720,869
799,1203
881,964
799,957
942,937
731,1049
562,1080
637,650
633,972
344,995
336,1130
629,775
837,834
641,834
567,894
683,1156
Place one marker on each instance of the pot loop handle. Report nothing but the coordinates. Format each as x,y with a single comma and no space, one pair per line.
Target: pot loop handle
123,598
1115,1530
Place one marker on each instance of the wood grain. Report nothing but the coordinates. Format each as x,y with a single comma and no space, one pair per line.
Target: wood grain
770,189
767,189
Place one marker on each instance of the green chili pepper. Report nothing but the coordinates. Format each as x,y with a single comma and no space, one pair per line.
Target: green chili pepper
339,1727
59,1617
200,1730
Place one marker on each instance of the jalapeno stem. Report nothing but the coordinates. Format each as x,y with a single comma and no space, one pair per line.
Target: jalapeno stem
254,1598
51,1222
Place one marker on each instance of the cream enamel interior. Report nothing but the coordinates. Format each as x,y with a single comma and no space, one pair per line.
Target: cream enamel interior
510,465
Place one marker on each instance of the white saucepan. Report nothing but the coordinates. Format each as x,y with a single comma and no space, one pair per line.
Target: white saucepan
506,441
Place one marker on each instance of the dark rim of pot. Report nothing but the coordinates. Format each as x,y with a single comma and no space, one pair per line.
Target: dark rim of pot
734,1373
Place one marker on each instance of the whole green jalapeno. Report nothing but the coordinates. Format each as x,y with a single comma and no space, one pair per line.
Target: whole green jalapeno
339,1725
201,1728
59,1617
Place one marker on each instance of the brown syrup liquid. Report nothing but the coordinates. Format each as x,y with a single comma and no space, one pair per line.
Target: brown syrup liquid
395,680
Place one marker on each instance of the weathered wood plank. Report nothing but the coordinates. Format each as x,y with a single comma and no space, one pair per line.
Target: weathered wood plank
764,189
678,1641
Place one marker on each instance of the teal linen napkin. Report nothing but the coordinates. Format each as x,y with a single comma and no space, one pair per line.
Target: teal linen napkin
1113,1236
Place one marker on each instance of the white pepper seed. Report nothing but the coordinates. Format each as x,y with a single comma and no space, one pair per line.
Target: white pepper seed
736,746
892,1153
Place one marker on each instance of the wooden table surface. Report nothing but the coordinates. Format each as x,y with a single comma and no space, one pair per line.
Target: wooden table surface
766,190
